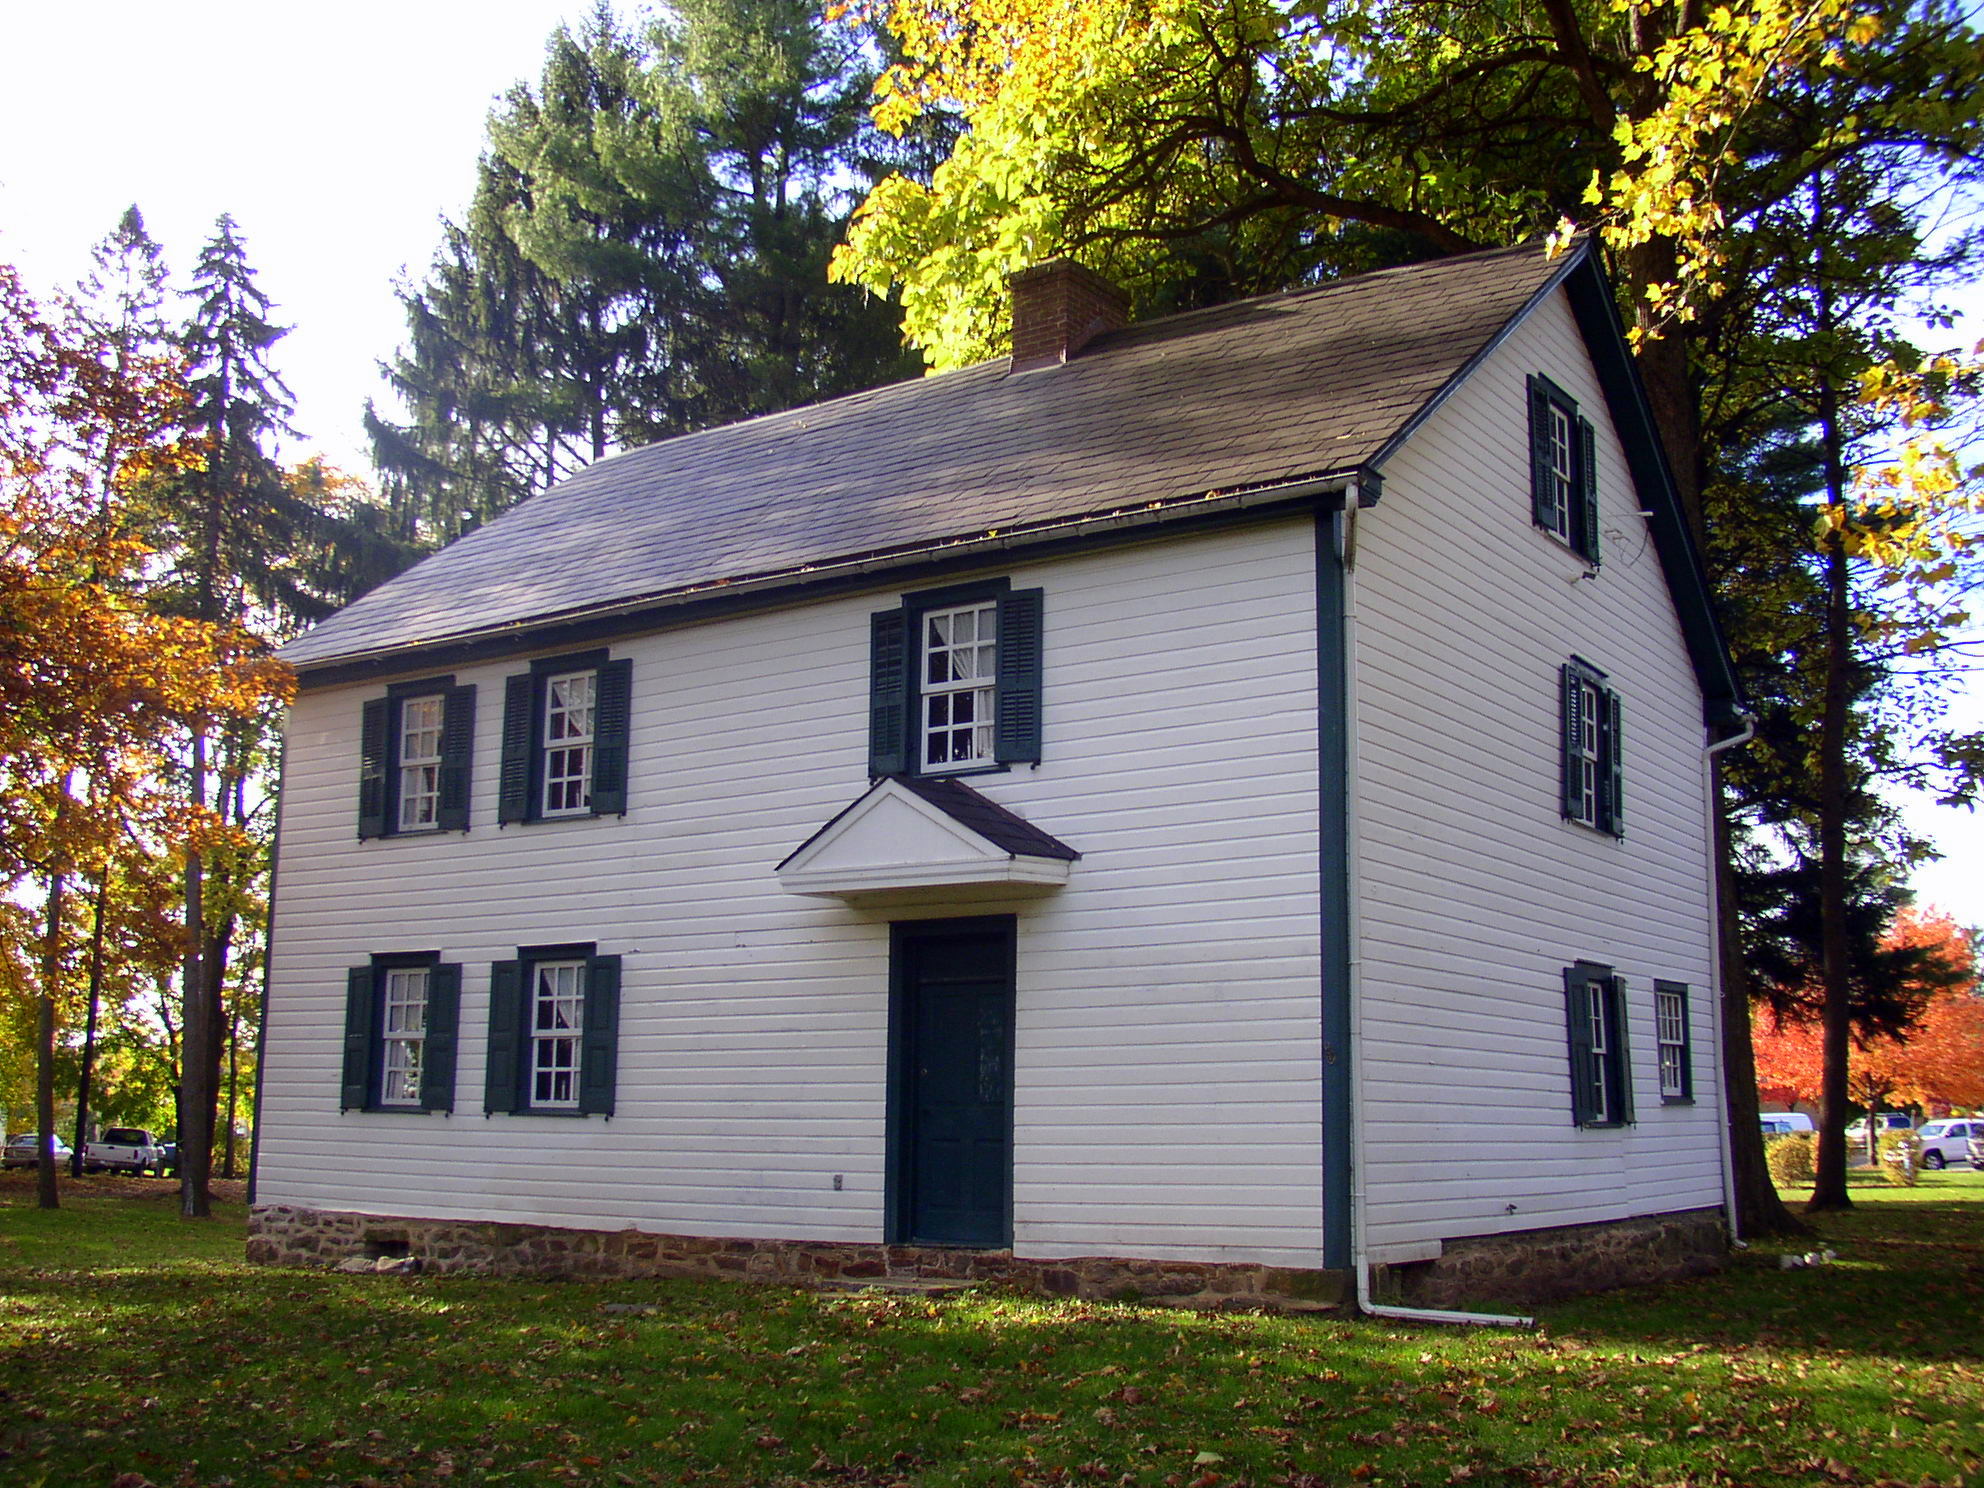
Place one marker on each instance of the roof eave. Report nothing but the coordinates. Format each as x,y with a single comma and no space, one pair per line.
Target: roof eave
647,612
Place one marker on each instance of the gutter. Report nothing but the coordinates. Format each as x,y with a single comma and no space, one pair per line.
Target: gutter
1724,1146
1359,1198
514,636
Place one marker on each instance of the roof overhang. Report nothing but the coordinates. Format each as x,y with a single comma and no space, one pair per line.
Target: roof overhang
893,843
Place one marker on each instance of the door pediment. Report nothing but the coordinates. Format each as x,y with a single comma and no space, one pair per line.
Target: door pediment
905,837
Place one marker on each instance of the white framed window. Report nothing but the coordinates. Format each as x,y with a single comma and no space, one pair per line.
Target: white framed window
570,710
402,1035
1670,1027
1598,1014
1584,753
958,660
1591,753
1601,1075
1563,470
557,1023
420,764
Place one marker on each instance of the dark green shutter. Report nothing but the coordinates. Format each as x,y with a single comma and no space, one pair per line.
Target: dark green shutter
503,1073
1577,1015
612,705
1611,767
1588,489
888,692
1542,476
355,1092
1620,1076
1016,713
372,743
1570,715
513,793
437,1060
600,1039
457,751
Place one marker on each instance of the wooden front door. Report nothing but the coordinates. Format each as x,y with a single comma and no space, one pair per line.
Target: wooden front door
951,1102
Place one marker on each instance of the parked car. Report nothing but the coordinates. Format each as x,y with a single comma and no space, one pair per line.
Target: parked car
1948,1141
22,1151
1783,1123
1886,1121
124,1149
1977,1145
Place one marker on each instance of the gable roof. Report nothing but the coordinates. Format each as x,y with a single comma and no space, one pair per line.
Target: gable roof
1252,395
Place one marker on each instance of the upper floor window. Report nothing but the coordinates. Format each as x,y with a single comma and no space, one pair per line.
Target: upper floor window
954,681
565,725
1593,784
401,1017
414,756
959,687
554,1021
569,708
420,763
1563,468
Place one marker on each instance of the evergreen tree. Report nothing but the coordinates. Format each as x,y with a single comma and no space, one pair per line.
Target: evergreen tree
644,255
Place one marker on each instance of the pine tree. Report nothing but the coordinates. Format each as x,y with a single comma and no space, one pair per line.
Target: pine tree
645,254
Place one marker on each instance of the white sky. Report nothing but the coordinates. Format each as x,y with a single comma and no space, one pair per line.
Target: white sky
338,136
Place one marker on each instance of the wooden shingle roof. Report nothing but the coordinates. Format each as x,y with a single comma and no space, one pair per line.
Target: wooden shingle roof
1280,389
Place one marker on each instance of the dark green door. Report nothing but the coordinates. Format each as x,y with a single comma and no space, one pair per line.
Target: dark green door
952,1107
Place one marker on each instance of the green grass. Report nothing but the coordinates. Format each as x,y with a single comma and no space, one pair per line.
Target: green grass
133,1343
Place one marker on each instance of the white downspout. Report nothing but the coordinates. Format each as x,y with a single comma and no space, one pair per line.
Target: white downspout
1722,1146
1346,532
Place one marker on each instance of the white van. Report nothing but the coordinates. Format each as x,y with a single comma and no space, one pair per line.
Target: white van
1783,1123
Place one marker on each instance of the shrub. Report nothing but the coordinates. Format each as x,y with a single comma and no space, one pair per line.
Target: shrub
1789,1158
1901,1158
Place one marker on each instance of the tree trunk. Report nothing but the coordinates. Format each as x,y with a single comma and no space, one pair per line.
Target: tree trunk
1759,1209
89,1025
1835,948
196,1087
47,1194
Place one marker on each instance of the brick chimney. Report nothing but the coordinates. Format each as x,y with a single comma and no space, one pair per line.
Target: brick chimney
1058,308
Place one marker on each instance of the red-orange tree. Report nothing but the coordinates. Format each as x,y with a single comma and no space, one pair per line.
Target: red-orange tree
1939,1060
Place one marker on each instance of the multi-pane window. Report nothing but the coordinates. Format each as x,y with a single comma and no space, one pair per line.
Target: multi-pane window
402,1014
569,710
1601,1076
1598,1099
1563,470
557,1023
415,748
420,763
1584,753
959,681
1591,752
402,1035
1670,1019
1563,475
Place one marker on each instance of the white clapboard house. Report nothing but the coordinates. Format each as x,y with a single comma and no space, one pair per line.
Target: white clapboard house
1194,805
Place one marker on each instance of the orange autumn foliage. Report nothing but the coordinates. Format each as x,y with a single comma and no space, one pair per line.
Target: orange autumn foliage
1938,1062
97,691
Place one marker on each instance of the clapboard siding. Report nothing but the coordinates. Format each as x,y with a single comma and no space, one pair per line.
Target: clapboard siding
1473,894
1168,1090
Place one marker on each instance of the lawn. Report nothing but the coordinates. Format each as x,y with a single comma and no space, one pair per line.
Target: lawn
134,1344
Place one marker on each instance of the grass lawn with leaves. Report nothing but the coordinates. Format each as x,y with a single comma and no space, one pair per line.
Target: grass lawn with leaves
137,1346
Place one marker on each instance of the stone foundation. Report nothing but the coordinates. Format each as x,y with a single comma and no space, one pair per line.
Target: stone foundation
1532,1266
282,1236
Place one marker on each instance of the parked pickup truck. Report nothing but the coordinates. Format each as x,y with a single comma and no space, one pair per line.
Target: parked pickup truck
124,1149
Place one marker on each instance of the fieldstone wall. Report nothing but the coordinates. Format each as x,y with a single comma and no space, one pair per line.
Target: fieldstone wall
1526,1267
1534,1266
279,1235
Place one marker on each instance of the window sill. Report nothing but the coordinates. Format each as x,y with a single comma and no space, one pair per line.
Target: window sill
1677,1100
1565,545
538,1111
962,771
